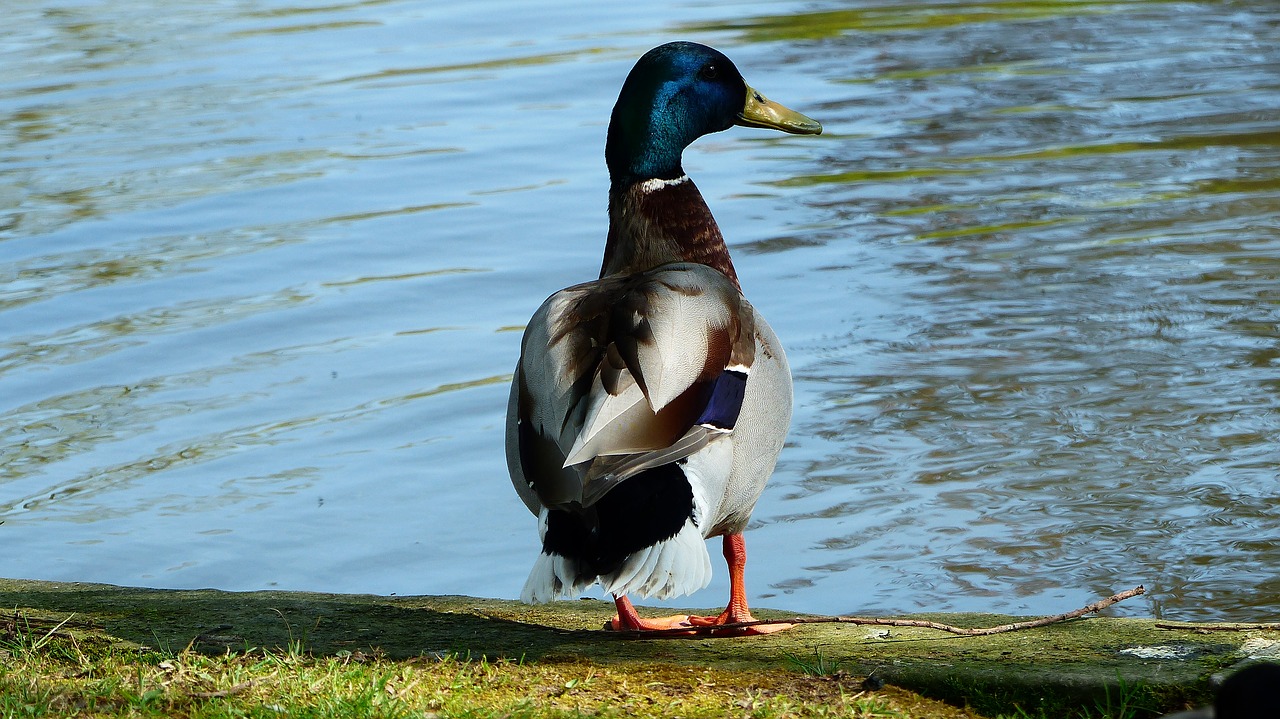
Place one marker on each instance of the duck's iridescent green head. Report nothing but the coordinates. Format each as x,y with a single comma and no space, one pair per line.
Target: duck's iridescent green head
675,94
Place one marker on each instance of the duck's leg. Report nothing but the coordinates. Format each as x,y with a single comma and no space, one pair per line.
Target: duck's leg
735,555
629,621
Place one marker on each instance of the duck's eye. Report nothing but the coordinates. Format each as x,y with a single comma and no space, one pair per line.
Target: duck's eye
709,72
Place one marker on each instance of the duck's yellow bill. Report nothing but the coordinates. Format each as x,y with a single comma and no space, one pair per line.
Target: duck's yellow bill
760,111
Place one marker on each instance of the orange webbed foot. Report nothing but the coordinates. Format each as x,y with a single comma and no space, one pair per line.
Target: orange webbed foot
627,620
730,617
657,624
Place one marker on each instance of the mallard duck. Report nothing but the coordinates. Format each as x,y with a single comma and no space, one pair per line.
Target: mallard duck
648,406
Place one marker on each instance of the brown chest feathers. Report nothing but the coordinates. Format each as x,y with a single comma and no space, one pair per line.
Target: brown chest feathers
655,222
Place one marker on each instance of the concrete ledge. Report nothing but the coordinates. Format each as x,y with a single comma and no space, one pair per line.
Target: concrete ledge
1080,663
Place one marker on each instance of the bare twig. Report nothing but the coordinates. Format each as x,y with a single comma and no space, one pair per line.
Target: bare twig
1219,627
728,629
31,622
20,627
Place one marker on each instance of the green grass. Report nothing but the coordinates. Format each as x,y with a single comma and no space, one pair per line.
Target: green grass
819,666
280,654
1126,700
47,670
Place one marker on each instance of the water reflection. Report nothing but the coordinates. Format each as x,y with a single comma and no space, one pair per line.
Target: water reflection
1080,383
262,271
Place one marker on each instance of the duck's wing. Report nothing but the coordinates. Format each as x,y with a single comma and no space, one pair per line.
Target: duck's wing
623,374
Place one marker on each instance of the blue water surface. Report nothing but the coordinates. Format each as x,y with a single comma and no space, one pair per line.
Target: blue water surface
264,269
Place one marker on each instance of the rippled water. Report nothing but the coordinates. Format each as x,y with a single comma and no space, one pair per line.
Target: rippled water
263,268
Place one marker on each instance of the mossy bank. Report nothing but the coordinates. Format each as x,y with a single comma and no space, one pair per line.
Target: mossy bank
1091,667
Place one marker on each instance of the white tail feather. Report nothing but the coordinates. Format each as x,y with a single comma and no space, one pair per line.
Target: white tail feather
670,568
637,566
553,577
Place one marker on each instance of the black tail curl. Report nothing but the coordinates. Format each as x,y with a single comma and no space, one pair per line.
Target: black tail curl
648,508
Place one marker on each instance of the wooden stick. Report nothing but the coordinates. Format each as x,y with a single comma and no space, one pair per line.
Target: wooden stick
881,621
1219,627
